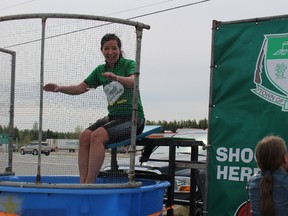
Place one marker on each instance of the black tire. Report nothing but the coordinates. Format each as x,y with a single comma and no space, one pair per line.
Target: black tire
35,152
22,152
47,153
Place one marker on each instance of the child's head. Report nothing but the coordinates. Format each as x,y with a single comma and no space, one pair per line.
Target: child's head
271,153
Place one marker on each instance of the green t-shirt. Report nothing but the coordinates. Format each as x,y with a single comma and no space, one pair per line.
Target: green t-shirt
120,97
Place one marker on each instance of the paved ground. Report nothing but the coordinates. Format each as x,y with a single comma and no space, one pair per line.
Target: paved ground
57,163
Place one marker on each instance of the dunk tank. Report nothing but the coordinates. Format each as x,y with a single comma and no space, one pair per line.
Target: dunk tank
63,49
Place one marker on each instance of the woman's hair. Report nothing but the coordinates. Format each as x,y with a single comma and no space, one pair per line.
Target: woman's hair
108,37
269,156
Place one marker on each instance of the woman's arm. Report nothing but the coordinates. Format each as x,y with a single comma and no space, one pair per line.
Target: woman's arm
126,81
71,90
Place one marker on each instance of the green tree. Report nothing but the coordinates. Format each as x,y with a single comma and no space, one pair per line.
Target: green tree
174,125
78,130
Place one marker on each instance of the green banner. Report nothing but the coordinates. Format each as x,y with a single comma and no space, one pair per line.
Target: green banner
249,95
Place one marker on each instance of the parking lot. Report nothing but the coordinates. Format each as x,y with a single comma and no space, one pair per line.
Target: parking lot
57,163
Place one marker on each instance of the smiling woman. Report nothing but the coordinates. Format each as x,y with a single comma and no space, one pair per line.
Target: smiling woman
117,77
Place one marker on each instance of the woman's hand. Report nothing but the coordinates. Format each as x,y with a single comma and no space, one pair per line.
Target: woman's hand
110,75
127,81
51,87
71,90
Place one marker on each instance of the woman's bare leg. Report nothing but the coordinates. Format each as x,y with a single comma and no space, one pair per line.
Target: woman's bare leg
97,153
83,154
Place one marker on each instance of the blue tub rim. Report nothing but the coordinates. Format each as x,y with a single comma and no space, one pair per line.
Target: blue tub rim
77,188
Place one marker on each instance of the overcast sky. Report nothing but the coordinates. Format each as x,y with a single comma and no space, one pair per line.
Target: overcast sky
176,51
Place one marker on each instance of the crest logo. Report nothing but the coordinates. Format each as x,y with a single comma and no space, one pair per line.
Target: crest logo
274,57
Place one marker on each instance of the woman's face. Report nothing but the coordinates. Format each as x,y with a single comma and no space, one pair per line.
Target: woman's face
111,52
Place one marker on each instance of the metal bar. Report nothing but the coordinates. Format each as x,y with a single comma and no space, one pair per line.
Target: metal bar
11,110
11,122
75,16
171,176
176,141
214,28
193,173
7,51
256,20
38,177
114,164
139,32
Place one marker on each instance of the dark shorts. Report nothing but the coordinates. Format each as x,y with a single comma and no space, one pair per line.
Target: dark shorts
118,127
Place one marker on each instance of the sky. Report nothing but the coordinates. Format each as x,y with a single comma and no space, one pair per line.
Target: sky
176,51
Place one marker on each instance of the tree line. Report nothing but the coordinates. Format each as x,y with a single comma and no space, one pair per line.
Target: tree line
28,135
174,125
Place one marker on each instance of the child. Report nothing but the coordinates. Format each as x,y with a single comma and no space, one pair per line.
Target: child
268,190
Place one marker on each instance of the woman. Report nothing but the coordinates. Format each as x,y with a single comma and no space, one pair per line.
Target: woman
268,190
117,78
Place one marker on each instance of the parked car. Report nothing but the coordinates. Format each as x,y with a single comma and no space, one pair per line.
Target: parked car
32,148
182,175
4,148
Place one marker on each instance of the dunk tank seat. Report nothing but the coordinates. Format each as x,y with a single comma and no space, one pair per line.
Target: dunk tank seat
148,130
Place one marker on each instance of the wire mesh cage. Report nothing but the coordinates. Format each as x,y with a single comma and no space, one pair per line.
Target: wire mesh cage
62,49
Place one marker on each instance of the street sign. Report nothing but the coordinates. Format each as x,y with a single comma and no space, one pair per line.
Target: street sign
3,138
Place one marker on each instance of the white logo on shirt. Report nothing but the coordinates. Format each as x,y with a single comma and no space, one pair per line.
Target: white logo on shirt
113,91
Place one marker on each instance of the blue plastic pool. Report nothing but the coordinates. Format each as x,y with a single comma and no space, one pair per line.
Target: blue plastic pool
62,196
